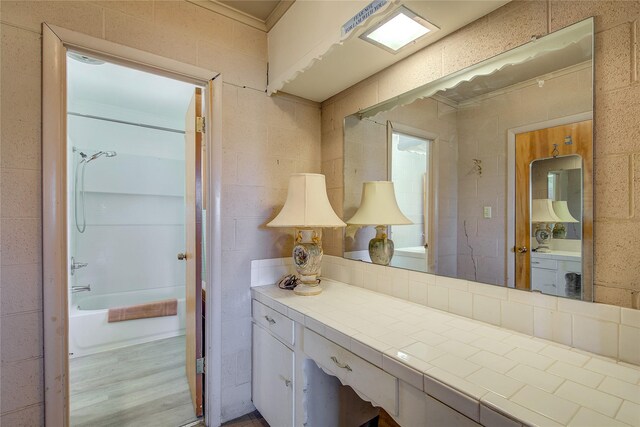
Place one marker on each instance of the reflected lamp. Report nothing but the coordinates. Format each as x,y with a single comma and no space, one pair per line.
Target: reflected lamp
543,215
379,208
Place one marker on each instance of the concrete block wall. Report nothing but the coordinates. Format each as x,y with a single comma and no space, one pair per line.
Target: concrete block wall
265,139
616,112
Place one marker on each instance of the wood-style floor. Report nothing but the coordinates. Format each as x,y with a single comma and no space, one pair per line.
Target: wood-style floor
142,385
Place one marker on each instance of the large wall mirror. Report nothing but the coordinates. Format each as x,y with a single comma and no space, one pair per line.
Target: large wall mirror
491,170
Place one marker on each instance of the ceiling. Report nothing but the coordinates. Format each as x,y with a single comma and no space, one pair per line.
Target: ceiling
259,14
355,60
259,9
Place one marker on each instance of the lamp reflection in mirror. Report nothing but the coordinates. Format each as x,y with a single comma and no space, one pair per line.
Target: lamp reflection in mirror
561,209
379,208
543,215
307,207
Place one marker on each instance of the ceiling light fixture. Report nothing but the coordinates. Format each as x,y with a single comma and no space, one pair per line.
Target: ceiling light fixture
398,30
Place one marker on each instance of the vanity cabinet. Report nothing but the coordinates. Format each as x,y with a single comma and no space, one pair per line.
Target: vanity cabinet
289,392
548,272
273,378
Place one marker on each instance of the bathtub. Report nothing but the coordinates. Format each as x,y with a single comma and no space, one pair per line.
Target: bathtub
89,331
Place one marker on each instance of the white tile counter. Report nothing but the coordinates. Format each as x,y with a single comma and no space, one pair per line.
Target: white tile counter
473,367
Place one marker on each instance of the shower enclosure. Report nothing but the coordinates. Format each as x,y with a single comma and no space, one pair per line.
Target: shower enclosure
126,186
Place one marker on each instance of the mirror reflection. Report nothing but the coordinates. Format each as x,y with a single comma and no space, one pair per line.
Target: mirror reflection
556,217
454,153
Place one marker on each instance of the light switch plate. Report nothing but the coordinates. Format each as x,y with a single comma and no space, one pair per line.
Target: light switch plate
487,212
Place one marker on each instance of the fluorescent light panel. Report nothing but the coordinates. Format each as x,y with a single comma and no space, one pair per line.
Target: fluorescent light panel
398,30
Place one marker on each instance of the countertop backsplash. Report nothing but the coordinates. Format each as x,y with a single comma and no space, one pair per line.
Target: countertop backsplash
602,329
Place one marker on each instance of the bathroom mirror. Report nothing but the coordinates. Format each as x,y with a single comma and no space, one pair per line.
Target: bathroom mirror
452,148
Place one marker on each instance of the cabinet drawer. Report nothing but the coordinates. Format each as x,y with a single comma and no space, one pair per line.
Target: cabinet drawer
278,324
570,267
549,264
353,371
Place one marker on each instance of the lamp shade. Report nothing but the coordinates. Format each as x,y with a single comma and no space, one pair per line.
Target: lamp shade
542,211
562,210
307,204
379,206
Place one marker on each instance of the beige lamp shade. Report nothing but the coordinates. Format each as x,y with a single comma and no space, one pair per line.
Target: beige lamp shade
542,211
562,210
307,204
379,206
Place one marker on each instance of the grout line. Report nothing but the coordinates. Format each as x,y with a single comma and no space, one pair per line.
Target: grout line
631,187
22,408
549,14
20,27
634,51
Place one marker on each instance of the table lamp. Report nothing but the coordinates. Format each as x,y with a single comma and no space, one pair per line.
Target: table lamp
543,215
379,208
307,207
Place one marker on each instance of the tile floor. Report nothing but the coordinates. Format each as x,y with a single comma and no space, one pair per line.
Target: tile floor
141,385
254,419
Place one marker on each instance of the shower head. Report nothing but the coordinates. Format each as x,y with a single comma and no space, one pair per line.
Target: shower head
101,153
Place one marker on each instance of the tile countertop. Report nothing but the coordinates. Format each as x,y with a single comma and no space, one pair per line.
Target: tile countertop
466,363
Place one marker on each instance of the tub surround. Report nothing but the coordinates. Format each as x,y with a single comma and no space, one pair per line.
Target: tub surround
491,375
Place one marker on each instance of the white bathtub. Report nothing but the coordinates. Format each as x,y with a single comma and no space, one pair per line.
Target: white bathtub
89,331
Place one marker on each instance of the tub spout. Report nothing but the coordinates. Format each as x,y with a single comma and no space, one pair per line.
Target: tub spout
76,289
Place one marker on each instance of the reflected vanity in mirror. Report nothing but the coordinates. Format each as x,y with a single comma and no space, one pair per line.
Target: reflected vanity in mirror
556,221
493,167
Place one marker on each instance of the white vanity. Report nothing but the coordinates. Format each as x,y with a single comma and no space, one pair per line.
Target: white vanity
425,367
549,271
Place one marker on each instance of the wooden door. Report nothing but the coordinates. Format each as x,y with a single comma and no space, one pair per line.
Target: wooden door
536,145
193,250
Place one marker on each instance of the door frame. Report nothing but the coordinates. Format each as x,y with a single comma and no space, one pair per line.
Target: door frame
432,217
510,213
55,43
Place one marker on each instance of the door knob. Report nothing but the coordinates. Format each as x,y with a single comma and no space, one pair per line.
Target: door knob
182,256
522,250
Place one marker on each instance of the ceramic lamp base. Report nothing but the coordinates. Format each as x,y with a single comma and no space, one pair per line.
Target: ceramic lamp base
381,247
543,235
305,289
307,258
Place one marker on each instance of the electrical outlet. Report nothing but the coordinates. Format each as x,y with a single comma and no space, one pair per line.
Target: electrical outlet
486,212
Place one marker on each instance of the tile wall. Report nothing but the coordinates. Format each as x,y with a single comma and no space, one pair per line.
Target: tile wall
617,106
265,139
603,329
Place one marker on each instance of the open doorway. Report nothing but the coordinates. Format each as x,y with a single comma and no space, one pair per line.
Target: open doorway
410,168
135,245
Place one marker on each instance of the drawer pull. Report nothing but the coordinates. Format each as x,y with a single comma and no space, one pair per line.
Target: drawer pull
270,320
287,382
340,365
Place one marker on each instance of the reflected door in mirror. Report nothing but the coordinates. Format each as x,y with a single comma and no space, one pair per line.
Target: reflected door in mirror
554,210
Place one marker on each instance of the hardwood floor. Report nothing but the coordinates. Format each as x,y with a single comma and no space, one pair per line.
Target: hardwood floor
142,385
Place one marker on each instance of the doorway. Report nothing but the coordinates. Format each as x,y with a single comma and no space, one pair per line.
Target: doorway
134,238
554,210
410,163
128,170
